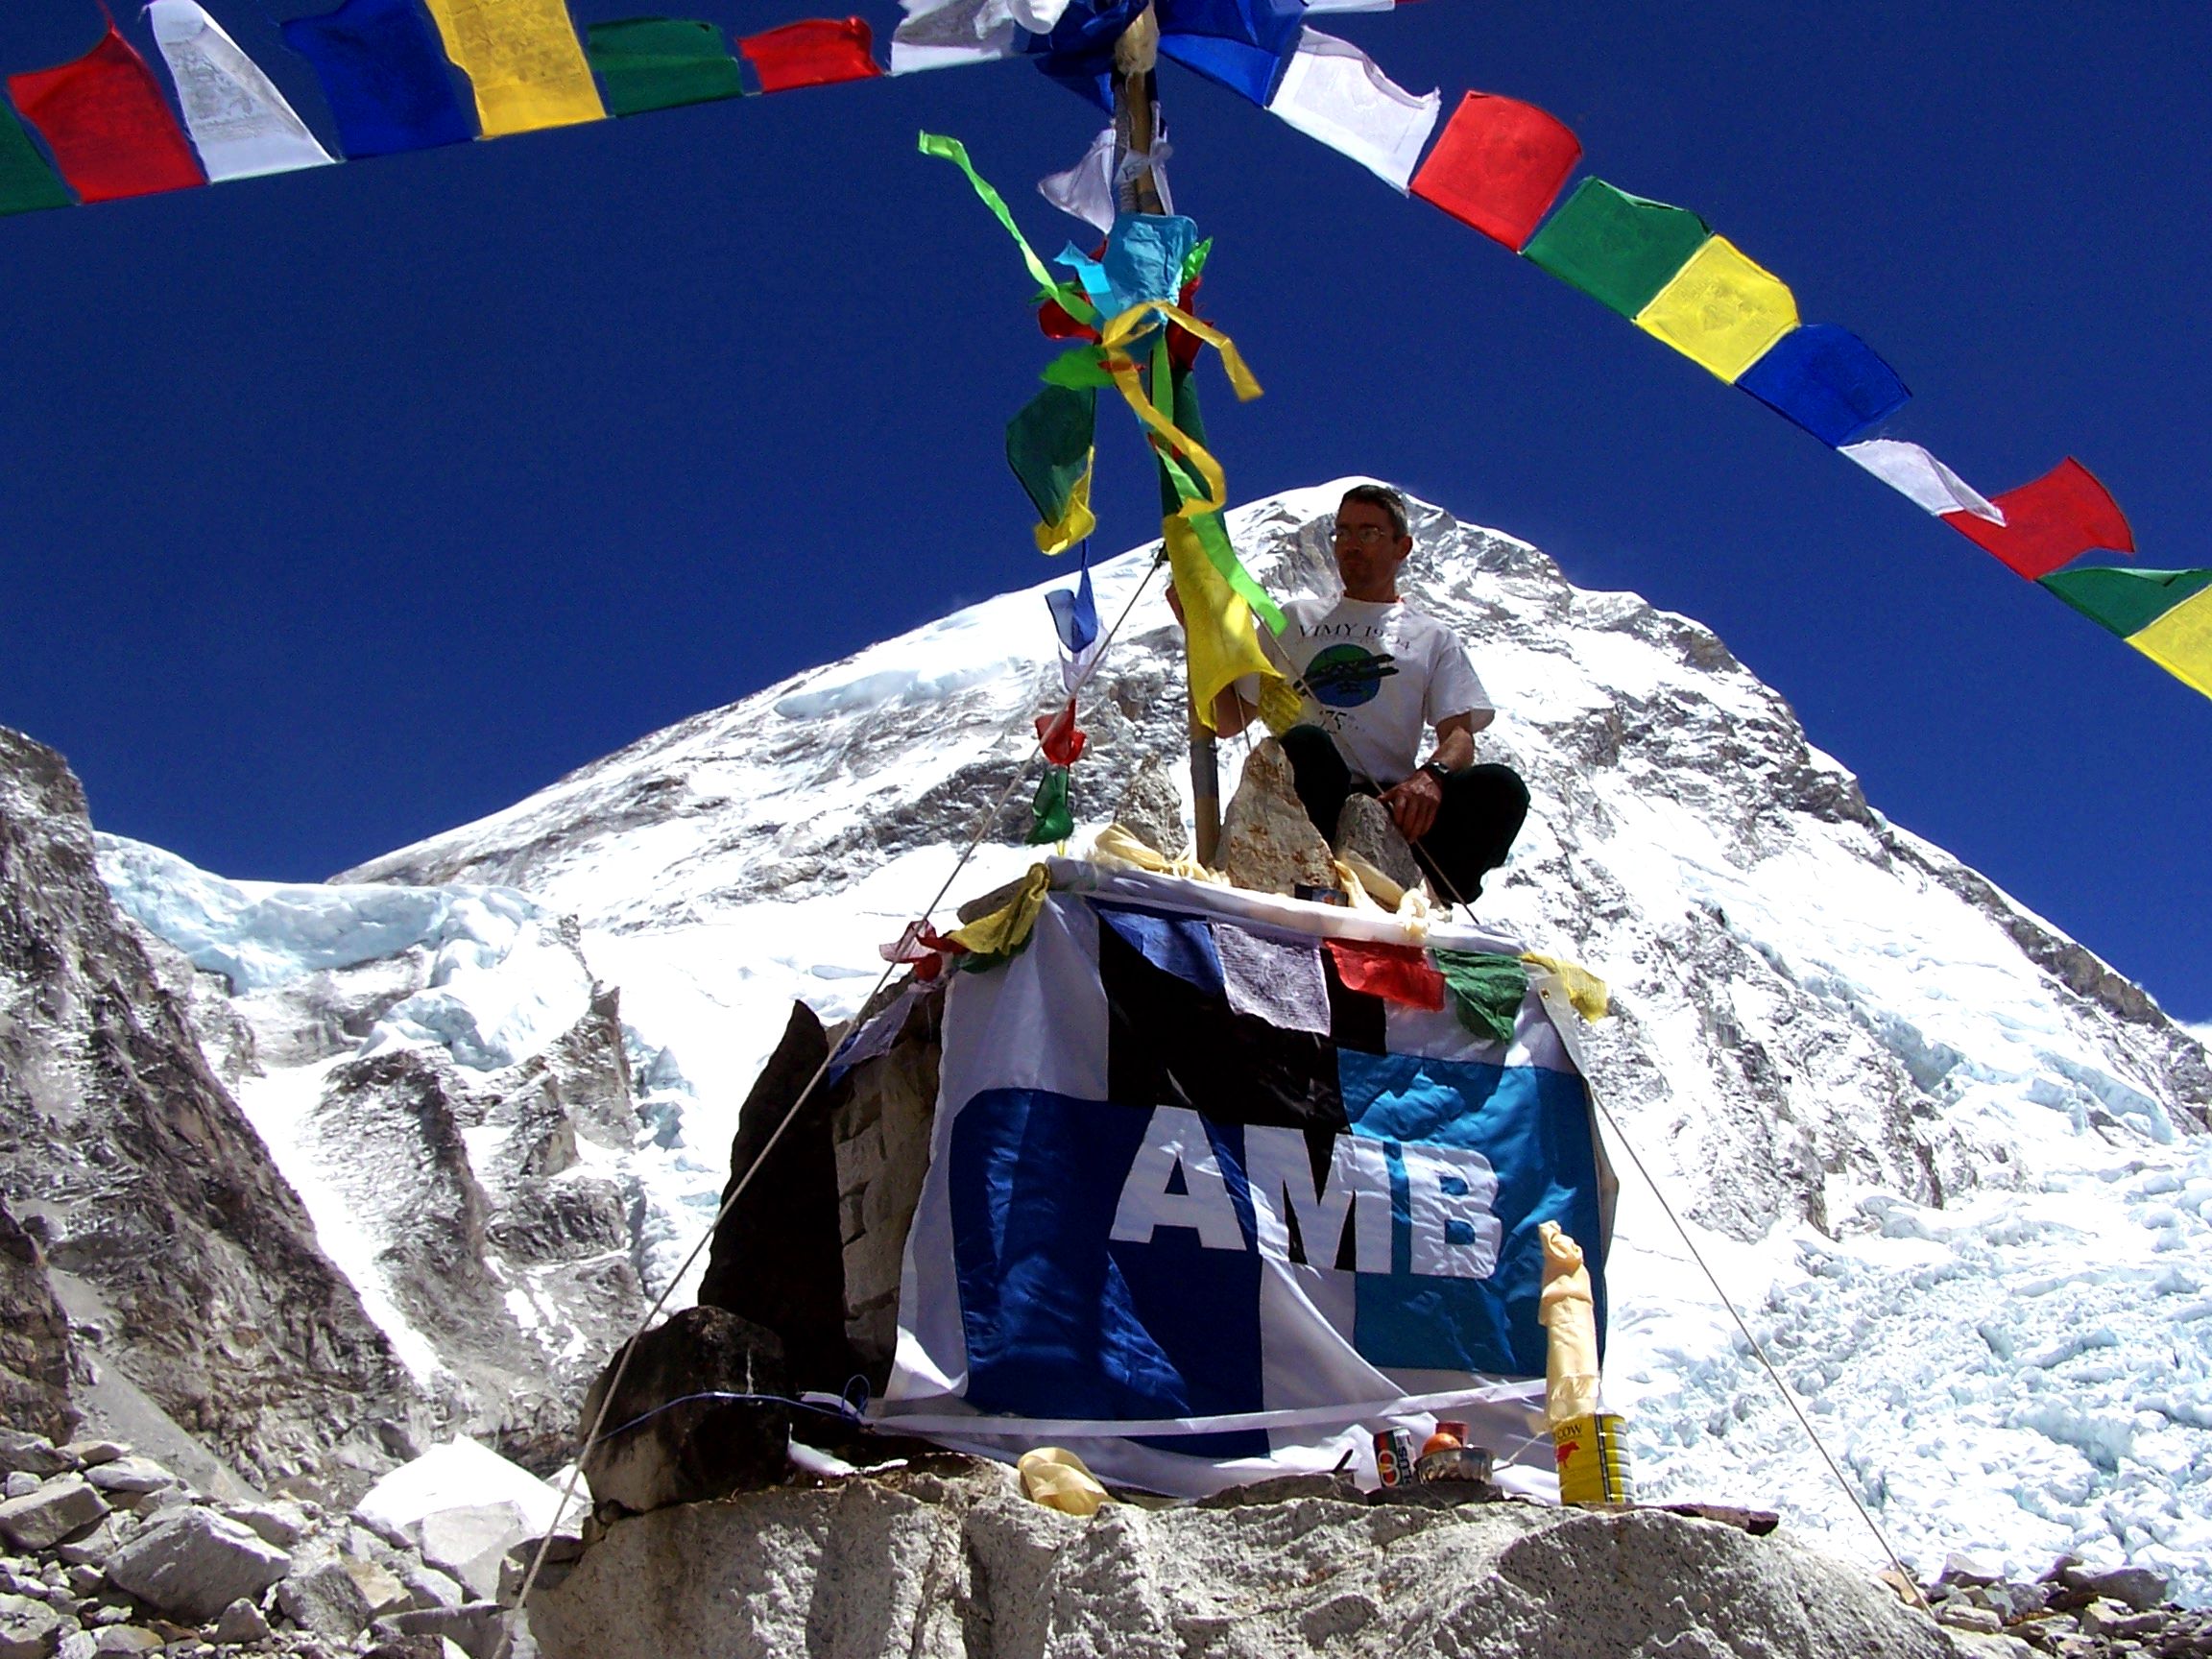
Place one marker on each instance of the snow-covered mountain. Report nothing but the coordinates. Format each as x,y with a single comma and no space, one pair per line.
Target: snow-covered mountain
1955,1169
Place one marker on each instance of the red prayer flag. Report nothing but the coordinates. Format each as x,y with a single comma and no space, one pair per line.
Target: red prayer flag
1498,166
1395,973
1062,739
107,124
2053,521
812,52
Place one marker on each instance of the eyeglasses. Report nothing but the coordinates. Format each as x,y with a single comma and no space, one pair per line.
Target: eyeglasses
1366,535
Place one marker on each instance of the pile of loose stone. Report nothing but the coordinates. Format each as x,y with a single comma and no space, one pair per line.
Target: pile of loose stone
108,1552
2073,1611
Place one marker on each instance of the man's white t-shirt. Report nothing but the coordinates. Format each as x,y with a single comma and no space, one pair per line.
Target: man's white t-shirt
1376,677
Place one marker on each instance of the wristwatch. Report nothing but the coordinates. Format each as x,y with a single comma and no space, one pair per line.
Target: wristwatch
1437,770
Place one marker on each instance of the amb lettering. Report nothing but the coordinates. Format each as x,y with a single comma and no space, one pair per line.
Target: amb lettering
1177,1181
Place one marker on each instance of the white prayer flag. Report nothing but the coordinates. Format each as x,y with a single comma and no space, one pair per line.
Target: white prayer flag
945,34
1921,479
1089,190
239,122
1332,91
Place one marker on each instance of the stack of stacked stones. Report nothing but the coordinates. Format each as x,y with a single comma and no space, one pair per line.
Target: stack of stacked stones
108,1552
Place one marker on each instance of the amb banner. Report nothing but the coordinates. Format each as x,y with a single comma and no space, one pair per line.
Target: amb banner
1205,1212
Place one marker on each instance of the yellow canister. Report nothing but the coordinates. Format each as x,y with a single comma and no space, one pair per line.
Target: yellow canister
1593,1459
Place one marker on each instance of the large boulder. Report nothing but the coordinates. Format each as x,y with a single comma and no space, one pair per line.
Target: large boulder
961,1564
193,1567
661,1446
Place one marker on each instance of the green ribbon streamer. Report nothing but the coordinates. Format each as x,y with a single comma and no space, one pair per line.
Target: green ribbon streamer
1051,819
1079,370
1487,990
1070,295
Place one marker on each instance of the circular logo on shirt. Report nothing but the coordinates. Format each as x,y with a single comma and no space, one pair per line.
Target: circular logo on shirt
1347,676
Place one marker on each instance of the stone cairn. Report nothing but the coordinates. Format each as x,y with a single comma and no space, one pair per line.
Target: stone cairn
108,1552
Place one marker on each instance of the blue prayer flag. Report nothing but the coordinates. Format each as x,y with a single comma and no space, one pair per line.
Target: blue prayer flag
1828,382
1074,613
384,76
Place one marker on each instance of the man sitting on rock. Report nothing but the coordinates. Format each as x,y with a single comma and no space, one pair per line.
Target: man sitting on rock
1375,675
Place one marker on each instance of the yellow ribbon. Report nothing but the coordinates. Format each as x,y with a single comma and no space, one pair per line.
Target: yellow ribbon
1584,988
1114,347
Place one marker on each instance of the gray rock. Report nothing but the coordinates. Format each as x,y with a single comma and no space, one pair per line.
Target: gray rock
86,1452
325,1601
696,1452
86,1580
28,1629
20,1484
241,1622
1268,845
30,1454
78,1644
42,1518
148,1506
130,1474
1151,809
427,1587
194,1566
93,1548
1962,1616
128,1638
2141,1588
469,1543
868,1569
282,1522
1366,829
475,1627
379,1587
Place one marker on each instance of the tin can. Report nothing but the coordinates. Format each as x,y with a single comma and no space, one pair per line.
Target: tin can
1593,1461
1394,1457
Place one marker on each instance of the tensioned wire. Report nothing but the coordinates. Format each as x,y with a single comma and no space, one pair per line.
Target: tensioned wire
629,1348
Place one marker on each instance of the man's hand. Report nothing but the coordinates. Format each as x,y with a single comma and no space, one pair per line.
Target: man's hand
1413,805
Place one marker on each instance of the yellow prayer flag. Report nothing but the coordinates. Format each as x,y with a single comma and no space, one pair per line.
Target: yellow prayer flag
1007,929
1216,623
524,60
2180,641
1721,310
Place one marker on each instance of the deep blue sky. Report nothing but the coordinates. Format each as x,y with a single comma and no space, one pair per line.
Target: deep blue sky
347,506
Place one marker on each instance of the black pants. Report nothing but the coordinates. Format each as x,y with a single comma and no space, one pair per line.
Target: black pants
1483,810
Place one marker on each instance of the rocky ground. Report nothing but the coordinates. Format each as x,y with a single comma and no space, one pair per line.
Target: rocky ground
110,1553
2071,1611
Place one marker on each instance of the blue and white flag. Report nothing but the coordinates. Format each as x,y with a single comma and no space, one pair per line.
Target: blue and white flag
1200,1246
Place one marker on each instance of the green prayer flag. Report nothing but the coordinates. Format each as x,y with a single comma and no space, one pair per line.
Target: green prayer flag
1051,819
661,63
27,183
1619,249
2124,601
1195,261
1487,990
1048,446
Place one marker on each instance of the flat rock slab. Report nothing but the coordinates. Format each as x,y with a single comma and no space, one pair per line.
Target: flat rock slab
194,1566
27,1628
961,1566
40,1520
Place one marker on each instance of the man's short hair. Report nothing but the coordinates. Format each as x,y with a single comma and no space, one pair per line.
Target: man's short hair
1383,496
